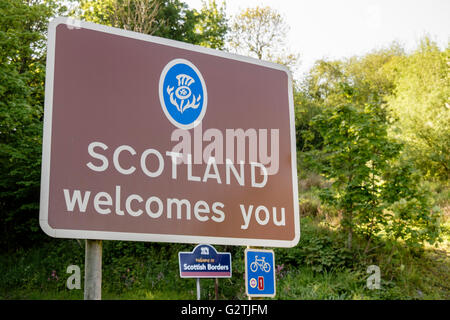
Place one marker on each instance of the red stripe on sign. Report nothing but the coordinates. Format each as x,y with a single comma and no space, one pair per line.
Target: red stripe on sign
206,274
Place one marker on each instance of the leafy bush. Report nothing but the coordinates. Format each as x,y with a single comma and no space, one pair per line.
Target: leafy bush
309,207
321,253
319,249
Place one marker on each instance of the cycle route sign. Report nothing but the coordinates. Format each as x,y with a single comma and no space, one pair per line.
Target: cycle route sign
260,273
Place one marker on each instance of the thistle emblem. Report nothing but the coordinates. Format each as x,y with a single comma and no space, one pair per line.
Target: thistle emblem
182,93
180,97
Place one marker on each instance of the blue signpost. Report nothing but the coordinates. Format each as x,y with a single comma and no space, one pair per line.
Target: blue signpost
260,273
204,262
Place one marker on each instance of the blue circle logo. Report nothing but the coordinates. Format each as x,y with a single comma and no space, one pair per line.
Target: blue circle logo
182,93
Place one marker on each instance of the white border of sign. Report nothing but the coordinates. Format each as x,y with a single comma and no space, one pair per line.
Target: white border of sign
109,235
246,274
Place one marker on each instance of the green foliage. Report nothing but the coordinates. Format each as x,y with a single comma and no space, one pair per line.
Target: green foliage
176,21
307,284
306,109
44,267
357,155
309,207
349,131
212,25
412,215
22,71
321,253
371,76
421,104
317,268
97,11
319,249
355,152
170,19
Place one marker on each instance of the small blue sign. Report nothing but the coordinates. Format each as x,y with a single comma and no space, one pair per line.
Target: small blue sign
205,262
260,273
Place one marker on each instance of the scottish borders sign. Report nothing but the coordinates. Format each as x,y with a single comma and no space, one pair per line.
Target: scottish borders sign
149,139
205,262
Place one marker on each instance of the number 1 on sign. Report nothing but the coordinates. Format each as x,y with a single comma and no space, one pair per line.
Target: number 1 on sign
260,283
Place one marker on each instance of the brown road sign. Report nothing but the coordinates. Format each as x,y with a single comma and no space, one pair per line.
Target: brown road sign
150,139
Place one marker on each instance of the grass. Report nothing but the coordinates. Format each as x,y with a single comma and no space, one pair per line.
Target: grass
317,268
150,271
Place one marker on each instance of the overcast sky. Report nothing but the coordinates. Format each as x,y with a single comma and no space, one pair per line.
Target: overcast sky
342,28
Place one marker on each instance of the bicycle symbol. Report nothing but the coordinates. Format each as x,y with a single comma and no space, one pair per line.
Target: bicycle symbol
261,263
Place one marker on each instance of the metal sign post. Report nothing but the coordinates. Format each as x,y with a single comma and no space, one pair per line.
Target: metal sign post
198,288
93,270
216,288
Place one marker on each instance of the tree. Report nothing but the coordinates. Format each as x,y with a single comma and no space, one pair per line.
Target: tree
212,24
170,19
373,75
261,33
135,15
355,152
378,193
422,106
23,26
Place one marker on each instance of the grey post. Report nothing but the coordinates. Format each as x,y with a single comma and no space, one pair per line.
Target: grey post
198,288
93,270
216,288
